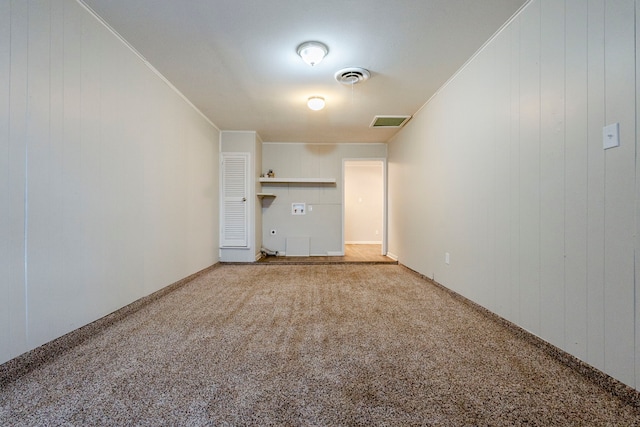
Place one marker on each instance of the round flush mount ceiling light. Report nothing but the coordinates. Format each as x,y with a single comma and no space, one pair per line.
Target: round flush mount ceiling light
312,52
315,103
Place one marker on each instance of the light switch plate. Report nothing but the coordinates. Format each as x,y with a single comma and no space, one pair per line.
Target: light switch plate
611,136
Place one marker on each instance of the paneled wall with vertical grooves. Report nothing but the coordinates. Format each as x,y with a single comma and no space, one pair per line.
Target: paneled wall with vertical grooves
540,222
108,177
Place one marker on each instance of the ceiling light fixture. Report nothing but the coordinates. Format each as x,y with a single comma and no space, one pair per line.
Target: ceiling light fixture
315,103
312,52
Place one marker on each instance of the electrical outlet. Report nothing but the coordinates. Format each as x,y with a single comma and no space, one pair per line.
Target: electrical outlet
447,258
273,232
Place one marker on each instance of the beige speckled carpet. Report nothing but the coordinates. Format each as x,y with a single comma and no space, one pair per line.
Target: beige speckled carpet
308,345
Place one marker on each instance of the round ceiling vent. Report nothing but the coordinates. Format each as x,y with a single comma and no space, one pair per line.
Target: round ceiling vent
352,75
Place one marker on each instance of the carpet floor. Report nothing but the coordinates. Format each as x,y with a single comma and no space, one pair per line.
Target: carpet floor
319,345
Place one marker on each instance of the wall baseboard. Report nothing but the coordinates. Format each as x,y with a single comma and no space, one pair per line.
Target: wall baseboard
617,388
32,359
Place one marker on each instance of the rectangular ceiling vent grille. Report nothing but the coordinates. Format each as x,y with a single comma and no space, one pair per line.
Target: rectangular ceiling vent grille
389,121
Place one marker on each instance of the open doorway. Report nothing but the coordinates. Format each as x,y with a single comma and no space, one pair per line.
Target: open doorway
364,206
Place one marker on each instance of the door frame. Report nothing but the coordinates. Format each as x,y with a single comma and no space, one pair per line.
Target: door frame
383,160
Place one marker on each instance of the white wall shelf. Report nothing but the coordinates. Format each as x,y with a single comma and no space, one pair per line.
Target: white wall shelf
263,195
298,180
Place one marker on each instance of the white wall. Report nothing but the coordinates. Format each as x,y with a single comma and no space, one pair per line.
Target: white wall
363,202
323,225
108,177
540,222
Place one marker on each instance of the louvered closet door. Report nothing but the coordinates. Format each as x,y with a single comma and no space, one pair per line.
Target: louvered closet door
235,222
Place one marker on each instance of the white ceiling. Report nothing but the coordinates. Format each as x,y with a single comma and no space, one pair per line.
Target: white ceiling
236,59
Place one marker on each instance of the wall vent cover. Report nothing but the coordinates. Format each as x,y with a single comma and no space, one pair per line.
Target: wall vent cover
352,75
389,121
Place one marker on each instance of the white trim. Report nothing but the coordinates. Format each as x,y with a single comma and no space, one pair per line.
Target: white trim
241,131
392,256
363,242
383,160
144,60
